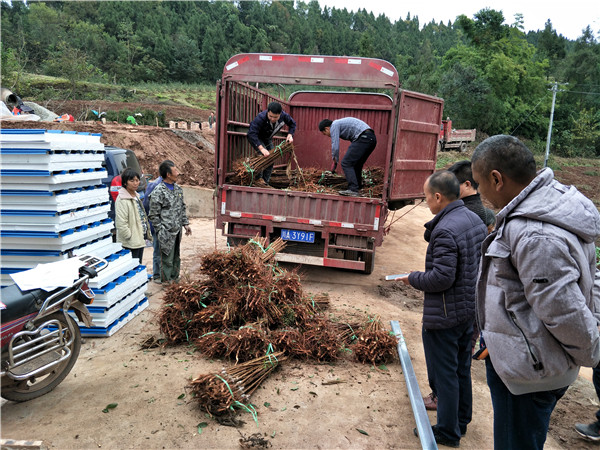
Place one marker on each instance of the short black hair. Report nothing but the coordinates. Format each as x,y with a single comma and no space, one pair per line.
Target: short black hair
462,170
324,124
445,183
165,168
128,174
506,154
275,107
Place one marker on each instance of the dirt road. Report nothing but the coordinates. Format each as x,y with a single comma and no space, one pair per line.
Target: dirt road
295,408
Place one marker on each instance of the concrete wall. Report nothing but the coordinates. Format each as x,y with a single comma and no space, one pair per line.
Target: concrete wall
199,201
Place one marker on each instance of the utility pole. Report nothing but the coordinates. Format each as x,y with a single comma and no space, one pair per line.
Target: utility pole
554,90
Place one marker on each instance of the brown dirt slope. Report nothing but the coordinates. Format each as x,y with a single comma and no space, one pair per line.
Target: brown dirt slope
191,151
79,108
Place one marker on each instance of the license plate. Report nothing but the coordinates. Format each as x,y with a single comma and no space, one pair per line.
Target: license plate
298,236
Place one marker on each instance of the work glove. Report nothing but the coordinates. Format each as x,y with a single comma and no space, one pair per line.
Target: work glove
333,166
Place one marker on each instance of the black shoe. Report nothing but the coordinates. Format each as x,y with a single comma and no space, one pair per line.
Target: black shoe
590,432
439,439
349,193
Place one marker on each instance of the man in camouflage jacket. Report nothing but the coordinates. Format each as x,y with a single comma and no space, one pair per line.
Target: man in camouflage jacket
168,215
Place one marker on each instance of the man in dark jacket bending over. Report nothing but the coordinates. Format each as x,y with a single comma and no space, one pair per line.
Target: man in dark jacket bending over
454,235
262,129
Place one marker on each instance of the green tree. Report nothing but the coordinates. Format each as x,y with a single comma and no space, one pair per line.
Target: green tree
501,57
585,132
365,45
10,67
487,28
469,101
70,63
550,45
130,42
421,74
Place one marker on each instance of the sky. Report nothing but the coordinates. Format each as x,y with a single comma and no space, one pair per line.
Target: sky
568,18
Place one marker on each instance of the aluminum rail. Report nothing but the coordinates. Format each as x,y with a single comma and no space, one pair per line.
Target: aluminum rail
414,393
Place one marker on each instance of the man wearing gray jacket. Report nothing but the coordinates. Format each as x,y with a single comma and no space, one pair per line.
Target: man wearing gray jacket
538,291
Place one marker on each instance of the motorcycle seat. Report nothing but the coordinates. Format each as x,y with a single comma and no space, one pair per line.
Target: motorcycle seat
20,303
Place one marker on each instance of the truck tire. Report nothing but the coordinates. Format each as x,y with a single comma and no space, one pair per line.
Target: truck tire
369,262
235,241
463,147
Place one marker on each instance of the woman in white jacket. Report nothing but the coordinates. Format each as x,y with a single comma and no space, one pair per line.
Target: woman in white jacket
131,222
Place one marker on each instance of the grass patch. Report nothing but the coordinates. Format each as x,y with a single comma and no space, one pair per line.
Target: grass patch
447,158
42,87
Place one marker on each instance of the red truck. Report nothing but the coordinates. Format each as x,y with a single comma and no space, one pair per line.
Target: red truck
452,138
322,229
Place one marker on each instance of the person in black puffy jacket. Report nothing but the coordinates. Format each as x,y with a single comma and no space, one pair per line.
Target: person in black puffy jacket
455,235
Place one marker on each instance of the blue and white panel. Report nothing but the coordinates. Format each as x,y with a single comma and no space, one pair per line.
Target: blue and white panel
52,221
45,180
103,317
57,201
50,140
57,241
53,204
118,288
117,324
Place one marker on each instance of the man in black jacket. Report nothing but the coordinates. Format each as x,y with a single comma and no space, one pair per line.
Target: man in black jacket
262,129
469,193
472,200
454,235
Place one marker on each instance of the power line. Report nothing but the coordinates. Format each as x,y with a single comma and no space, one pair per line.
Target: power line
528,115
580,92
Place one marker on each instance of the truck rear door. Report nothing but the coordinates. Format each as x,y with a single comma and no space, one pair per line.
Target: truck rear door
415,151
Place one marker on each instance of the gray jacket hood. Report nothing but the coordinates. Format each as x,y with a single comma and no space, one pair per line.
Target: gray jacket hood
547,200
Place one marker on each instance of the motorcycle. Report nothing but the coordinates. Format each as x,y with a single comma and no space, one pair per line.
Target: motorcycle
40,341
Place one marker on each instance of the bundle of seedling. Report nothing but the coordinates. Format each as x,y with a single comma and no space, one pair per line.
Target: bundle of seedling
243,306
220,393
324,182
247,170
373,344
245,173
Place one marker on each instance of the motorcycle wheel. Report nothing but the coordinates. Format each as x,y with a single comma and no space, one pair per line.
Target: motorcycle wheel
22,391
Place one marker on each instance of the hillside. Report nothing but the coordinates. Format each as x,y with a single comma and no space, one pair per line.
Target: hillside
192,152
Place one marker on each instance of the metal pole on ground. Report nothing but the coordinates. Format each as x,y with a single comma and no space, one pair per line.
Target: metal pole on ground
414,393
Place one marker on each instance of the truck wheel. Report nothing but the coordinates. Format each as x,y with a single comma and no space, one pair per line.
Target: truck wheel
234,241
463,147
369,263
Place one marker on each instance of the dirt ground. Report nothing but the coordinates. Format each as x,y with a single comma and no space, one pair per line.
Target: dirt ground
296,408
295,405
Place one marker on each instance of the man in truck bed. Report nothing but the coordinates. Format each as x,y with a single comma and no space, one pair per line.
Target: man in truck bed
264,127
363,143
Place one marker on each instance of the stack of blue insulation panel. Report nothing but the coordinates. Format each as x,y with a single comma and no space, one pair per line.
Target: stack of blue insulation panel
53,205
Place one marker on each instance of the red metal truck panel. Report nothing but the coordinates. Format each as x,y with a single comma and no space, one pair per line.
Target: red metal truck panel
416,143
311,70
301,207
309,108
463,135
